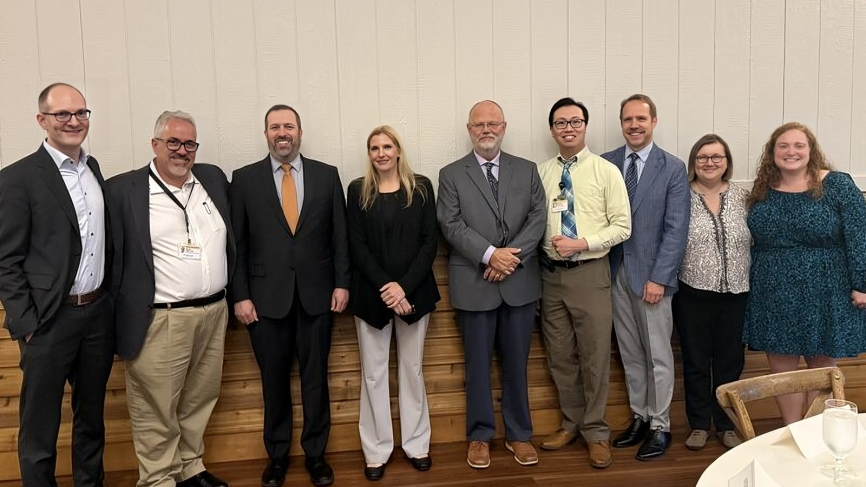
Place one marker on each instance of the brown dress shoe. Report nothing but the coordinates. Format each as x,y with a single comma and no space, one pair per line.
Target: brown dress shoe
478,455
557,440
524,452
599,454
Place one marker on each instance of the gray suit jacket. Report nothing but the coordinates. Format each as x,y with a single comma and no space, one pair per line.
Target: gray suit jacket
471,221
660,222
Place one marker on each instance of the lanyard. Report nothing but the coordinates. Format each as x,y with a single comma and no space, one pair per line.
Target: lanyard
176,201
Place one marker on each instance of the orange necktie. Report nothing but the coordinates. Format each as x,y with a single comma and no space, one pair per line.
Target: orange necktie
290,197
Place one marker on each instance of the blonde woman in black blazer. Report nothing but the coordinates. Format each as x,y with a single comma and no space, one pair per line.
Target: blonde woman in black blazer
391,214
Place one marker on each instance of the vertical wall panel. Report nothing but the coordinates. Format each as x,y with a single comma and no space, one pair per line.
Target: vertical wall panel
439,118
697,72
661,66
19,75
151,77
398,70
731,102
58,26
766,79
358,64
276,57
623,62
238,125
549,66
473,24
513,72
105,57
586,68
858,98
802,46
834,81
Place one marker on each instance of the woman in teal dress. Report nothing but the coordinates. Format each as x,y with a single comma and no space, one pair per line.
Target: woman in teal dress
808,275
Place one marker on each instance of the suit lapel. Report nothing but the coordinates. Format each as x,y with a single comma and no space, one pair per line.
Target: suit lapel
506,170
139,205
50,175
651,170
265,177
310,177
476,175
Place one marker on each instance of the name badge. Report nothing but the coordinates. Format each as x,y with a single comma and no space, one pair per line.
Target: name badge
558,205
189,251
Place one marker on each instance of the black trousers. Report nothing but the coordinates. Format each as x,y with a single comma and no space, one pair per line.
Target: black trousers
710,327
76,346
276,342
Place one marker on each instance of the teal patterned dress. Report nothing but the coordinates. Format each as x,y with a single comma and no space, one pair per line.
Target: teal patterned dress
807,257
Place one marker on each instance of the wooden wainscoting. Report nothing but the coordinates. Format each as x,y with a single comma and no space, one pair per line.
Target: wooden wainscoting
234,432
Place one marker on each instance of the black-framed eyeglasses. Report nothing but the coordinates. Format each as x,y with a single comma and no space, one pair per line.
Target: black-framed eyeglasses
174,144
574,122
716,158
65,116
480,125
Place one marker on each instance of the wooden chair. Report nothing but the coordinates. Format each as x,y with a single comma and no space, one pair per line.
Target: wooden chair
828,382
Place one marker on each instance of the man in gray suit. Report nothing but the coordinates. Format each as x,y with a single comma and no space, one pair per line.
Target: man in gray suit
491,209
644,269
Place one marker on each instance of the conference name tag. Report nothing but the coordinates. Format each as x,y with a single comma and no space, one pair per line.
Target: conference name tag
559,205
189,251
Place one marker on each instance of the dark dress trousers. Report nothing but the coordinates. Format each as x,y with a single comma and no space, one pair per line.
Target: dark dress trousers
40,251
290,278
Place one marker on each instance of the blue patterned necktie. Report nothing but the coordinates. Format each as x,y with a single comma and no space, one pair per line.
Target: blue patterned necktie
569,225
494,184
631,176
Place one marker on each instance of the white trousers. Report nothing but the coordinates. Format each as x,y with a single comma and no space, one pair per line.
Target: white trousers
377,435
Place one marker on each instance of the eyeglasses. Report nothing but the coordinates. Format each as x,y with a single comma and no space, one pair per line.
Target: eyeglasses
480,125
574,122
715,158
65,116
174,144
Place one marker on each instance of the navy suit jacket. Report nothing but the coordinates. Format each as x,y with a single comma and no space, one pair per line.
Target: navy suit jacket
660,222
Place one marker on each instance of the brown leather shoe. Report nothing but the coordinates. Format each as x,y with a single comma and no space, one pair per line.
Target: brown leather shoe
479,454
599,454
524,452
557,440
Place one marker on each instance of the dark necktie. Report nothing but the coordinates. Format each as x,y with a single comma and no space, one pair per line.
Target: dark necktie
569,225
631,176
494,184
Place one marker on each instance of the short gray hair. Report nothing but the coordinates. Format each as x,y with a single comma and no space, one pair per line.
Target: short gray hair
167,116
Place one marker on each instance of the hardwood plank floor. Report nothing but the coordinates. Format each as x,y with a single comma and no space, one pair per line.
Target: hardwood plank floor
568,467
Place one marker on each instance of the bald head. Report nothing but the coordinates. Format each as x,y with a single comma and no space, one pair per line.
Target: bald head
44,105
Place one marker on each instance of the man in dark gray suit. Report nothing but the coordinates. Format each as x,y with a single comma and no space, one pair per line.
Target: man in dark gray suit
491,209
644,270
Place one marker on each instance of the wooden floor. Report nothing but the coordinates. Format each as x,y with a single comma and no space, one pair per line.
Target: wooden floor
568,467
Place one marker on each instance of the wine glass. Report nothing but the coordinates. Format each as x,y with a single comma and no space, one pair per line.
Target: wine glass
840,436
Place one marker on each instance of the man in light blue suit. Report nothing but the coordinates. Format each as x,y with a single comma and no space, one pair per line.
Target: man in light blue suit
644,270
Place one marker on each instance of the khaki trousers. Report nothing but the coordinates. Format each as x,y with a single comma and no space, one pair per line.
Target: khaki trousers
172,388
576,323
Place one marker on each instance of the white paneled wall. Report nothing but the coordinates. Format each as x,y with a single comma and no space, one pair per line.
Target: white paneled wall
735,67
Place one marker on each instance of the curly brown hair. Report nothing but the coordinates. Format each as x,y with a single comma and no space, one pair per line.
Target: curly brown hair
767,174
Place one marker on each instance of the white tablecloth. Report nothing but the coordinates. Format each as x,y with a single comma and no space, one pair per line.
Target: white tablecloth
778,454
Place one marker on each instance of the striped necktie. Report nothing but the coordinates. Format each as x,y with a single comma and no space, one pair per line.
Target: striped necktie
569,225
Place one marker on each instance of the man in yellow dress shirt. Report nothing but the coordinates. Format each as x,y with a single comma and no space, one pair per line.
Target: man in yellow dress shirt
587,214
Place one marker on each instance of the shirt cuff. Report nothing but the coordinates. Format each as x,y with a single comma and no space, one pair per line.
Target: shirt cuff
487,254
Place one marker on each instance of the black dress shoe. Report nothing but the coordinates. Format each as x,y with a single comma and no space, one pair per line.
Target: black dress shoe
422,464
633,435
375,473
275,473
655,445
321,473
203,479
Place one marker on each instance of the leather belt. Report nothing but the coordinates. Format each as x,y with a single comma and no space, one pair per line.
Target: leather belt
86,298
190,303
569,264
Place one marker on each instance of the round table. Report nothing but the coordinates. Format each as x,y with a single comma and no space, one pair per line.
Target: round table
778,454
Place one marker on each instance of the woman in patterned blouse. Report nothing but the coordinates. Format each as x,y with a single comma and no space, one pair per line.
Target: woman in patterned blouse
713,288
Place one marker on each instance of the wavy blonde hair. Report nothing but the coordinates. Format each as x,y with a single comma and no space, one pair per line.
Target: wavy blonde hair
768,175
370,186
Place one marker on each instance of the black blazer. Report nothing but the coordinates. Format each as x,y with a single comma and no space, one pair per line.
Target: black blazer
40,244
401,250
272,260
134,282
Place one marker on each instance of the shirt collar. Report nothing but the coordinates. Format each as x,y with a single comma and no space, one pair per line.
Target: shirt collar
59,158
482,161
580,156
155,189
295,163
643,153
